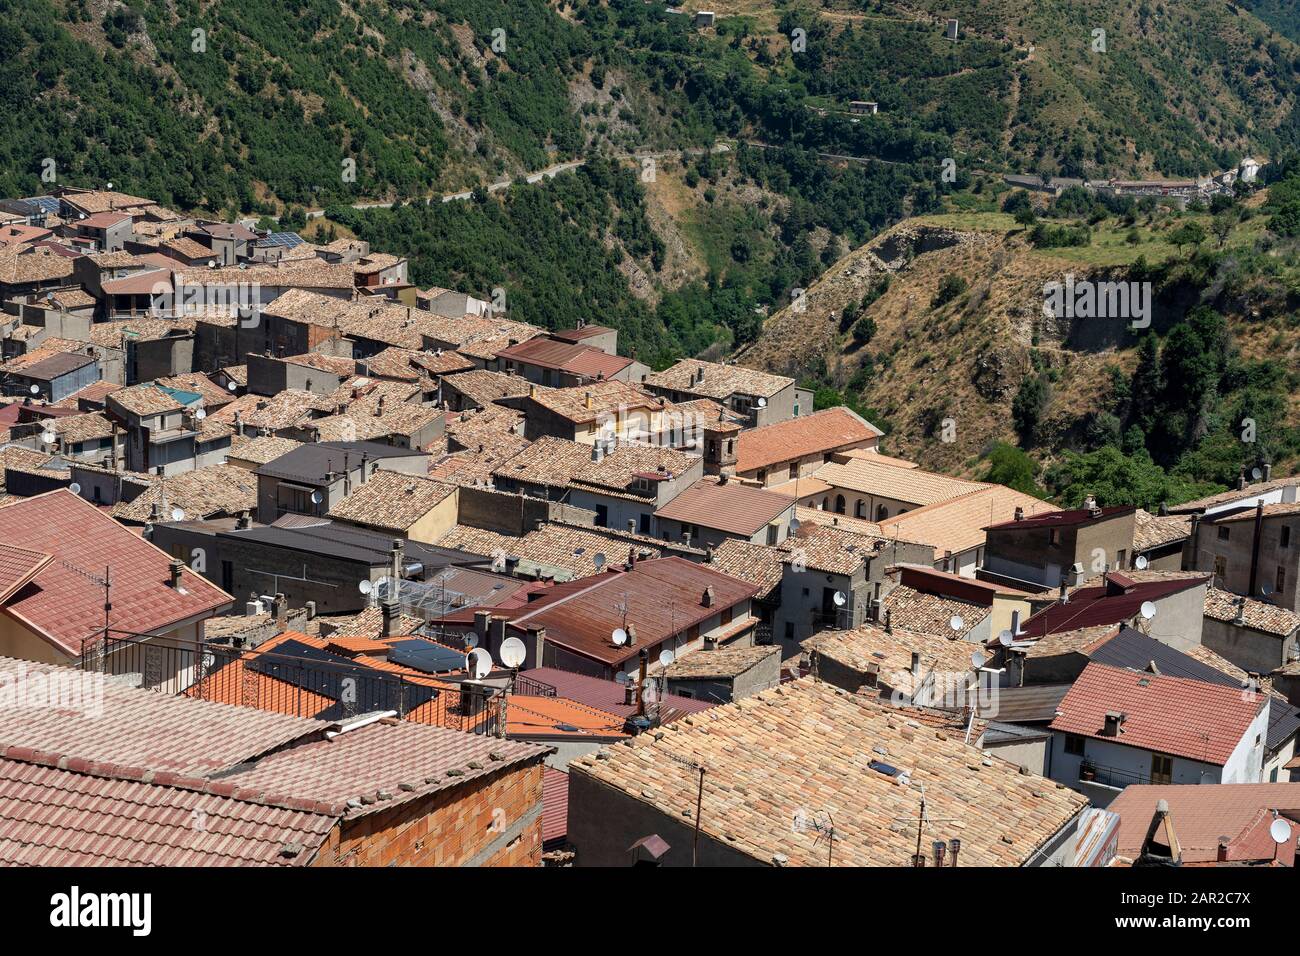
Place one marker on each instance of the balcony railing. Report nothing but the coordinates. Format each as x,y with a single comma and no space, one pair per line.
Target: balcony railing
286,684
1110,776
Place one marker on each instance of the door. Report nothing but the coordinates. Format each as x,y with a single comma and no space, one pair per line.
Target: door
1162,769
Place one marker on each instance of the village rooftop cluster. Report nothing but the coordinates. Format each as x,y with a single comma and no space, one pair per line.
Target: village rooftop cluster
330,570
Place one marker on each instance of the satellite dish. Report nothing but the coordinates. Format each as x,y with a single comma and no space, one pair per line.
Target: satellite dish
35,389
317,497
1006,638
513,652
839,599
75,488
1256,474
619,636
1148,610
598,561
178,514
978,659
794,525
478,663
471,641
200,414
49,437
1280,831
232,386
1140,562
110,185
649,693
621,677
761,403
365,587
666,657
956,623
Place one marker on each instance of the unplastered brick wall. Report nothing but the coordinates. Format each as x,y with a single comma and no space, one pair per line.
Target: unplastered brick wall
491,821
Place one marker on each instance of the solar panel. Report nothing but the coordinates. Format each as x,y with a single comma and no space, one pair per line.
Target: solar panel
425,657
354,689
287,239
46,204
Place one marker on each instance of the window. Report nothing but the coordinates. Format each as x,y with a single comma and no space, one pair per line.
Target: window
771,535
1220,568
1053,536
726,615
1162,768
860,509
839,504
1281,579
602,516
683,692
1074,745
1223,532
1285,541
762,476
881,512
789,629
1120,557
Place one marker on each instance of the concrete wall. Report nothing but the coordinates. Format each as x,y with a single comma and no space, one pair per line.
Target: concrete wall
511,513
1237,550
1251,650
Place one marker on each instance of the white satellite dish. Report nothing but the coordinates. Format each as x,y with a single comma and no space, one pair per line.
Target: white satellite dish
317,497
666,657
839,599
761,403
513,652
622,677
1140,562
232,386
110,185
598,561
200,414
365,587
978,660
178,514
35,389
1006,638
619,636
471,641
49,437
75,488
649,693
1256,474
1280,831
956,623
794,525
478,663
1148,610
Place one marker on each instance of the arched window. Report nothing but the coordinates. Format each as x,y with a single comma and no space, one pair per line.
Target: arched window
839,504
860,509
882,513
826,504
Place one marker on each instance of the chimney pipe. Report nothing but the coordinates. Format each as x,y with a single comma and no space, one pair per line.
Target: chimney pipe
888,629
640,693
1254,549
174,568
954,847
1020,516
939,849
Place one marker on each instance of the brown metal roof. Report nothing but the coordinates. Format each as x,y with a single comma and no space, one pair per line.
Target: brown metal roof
732,507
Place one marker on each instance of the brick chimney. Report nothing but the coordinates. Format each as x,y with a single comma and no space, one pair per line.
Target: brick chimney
174,568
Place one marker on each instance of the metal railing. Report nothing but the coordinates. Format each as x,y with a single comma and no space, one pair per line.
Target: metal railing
1110,776
285,684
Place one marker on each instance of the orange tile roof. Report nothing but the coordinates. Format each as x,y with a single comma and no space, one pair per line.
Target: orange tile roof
827,430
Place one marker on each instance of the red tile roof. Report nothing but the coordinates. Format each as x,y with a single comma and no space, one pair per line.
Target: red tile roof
1119,600
17,567
607,695
1202,815
66,603
578,359
820,432
664,597
1171,715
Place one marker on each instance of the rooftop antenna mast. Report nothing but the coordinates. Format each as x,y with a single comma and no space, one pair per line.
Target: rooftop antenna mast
699,802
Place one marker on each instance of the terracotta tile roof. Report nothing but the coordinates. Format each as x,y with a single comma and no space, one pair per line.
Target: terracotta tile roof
804,747
1173,715
23,264
958,524
103,200
391,501
95,392
1270,511
1075,518
475,468
563,356
213,395
1154,531
1245,495
1269,618
931,613
79,428
261,450
483,387
552,547
914,486
758,564
664,597
824,431
1080,641
115,334
413,366
733,507
290,274
721,662
17,567
832,549
55,817
213,491
720,381
1203,815
890,653
486,426
554,462
606,397
555,806
617,470
144,400
66,604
